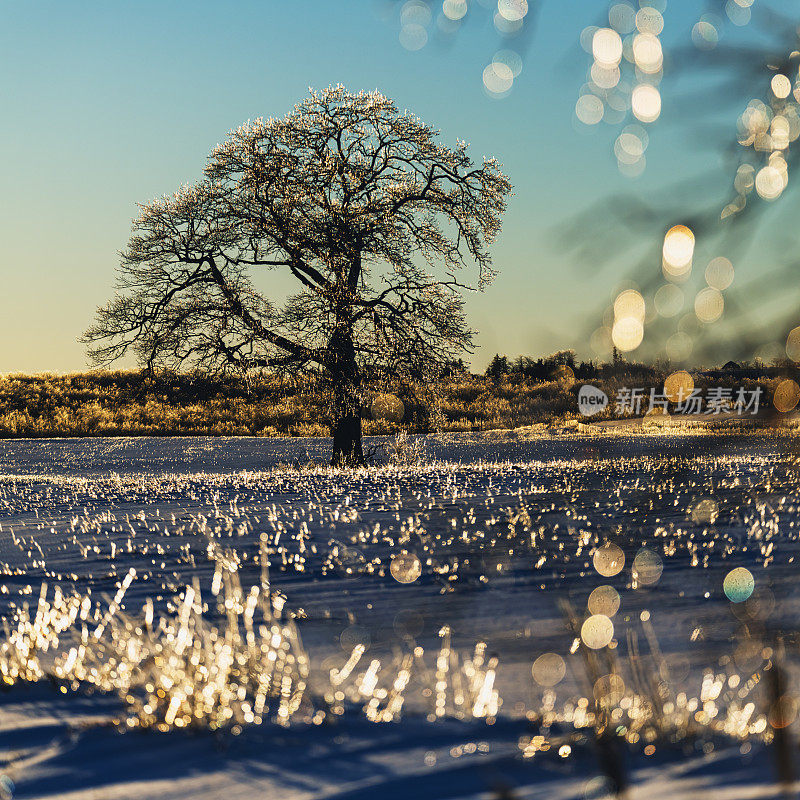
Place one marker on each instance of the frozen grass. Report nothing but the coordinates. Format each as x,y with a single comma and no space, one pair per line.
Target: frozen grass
428,592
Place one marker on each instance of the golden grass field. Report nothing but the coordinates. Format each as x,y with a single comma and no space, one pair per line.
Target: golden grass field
126,403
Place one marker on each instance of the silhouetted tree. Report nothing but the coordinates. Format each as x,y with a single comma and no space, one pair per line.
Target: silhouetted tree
498,367
360,204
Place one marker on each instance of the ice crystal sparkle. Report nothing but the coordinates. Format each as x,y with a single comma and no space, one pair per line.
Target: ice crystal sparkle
204,600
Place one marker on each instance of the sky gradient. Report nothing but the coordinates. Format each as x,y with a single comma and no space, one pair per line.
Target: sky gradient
108,104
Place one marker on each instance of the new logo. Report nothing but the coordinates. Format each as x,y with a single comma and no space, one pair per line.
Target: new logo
591,400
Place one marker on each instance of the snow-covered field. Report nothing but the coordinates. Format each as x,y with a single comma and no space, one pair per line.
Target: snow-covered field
510,617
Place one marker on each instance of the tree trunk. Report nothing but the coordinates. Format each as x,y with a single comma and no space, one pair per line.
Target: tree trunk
347,449
346,405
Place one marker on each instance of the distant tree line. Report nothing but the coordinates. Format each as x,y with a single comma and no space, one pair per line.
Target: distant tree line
563,363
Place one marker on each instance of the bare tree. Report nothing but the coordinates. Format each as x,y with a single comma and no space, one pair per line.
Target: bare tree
361,205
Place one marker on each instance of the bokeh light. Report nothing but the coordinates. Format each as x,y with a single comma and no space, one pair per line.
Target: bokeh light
622,18
405,567
589,109
719,273
498,78
769,183
704,511
783,711
709,305
647,567
738,585
609,690
786,396
738,11
649,20
510,59
793,344
605,77
627,334
629,313
647,53
549,670
629,148
678,250
601,341
609,560
597,631
587,38
604,600
669,300
679,346
646,103
678,386
454,9
413,37
781,86
780,131
354,636
705,35
506,26
415,12
745,179
629,303
607,47
512,10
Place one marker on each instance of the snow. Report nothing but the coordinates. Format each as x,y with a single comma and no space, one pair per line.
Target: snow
497,523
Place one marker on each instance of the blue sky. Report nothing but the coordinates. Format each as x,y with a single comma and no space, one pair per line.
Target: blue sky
109,104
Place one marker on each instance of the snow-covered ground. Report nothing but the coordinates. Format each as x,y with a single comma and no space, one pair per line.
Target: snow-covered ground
493,550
